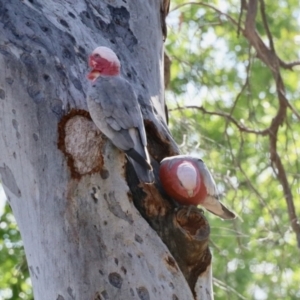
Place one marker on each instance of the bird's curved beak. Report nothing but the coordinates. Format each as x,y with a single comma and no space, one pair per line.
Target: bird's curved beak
93,75
190,193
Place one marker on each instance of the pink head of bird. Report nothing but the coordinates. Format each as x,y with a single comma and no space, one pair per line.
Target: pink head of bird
182,181
103,61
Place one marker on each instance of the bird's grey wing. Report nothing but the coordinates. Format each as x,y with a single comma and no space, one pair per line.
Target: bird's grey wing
110,96
127,111
102,108
209,182
121,113
118,101
114,106
100,94
212,202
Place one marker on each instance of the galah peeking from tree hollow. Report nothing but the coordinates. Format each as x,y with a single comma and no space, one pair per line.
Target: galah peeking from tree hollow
188,181
115,110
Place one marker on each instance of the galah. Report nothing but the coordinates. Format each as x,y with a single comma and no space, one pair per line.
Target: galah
115,110
188,181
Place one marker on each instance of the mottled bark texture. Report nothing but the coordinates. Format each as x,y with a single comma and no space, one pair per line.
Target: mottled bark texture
77,202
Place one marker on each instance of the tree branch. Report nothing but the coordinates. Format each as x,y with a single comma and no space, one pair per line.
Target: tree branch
264,18
289,66
226,116
269,57
233,21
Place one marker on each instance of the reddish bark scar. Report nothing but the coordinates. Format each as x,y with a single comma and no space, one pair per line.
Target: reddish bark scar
81,142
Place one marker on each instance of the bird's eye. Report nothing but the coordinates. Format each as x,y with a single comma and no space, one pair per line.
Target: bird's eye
96,55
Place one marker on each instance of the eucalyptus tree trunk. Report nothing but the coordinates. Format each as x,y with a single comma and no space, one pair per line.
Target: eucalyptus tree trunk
90,229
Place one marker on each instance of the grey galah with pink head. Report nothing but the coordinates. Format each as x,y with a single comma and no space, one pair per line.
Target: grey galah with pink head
188,181
115,110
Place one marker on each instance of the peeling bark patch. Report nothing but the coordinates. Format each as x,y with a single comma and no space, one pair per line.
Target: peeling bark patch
33,85
8,179
41,58
66,53
46,77
60,297
138,239
76,82
115,280
171,262
2,94
104,174
123,269
35,137
143,293
118,28
81,142
121,26
62,73
15,124
97,296
70,292
104,295
32,272
64,23
16,127
9,80
116,209
57,107
71,15
82,51
94,195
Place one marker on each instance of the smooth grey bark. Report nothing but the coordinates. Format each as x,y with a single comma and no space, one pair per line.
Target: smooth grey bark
83,237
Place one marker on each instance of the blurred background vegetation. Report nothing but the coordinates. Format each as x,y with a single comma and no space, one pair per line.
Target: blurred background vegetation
220,96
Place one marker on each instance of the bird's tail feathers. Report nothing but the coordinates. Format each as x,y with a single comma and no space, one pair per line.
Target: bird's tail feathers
132,153
145,174
214,206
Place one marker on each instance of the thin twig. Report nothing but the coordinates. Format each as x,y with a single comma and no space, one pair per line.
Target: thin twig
209,6
290,65
243,6
224,115
266,25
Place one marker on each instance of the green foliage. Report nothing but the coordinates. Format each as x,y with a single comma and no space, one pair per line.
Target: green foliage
14,276
255,257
